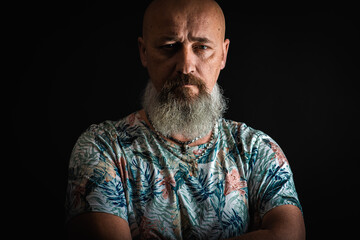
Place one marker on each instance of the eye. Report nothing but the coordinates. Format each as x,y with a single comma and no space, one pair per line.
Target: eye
170,46
201,47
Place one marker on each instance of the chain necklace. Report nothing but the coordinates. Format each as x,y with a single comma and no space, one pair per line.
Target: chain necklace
184,145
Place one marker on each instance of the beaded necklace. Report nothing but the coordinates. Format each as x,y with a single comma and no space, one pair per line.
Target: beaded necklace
184,145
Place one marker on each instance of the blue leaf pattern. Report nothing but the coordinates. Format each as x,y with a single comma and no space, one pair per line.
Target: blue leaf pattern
123,168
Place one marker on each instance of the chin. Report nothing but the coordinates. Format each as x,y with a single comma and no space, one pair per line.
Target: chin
192,89
186,93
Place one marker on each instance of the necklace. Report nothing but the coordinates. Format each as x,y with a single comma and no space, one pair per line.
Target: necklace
191,163
184,144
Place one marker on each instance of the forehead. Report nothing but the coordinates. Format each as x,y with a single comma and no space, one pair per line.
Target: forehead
196,21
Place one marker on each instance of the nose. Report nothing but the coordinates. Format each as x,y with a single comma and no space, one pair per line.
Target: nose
186,61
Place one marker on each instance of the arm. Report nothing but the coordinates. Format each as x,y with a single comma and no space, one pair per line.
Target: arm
95,200
98,226
280,223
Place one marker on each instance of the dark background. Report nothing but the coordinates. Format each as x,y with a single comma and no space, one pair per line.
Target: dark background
290,73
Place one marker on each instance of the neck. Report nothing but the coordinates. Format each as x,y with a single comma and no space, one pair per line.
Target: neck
200,141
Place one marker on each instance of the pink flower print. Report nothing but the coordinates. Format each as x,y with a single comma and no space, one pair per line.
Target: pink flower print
198,151
122,168
110,173
279,155
132,119
148,227
233,183
168,182
77,194
165,193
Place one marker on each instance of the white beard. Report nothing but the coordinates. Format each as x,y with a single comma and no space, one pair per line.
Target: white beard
190,118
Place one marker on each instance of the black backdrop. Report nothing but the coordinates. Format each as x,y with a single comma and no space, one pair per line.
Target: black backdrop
290,73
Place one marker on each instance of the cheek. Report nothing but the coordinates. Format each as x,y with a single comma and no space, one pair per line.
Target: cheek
210,72
159,71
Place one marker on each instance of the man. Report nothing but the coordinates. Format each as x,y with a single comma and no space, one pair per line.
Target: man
177,169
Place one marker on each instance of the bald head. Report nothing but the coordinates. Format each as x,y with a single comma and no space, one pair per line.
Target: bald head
183,37
164,13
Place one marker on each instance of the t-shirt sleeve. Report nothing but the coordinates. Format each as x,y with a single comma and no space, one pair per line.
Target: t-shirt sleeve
271,181
94,181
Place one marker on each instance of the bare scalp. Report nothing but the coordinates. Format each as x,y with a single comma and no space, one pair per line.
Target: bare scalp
166,11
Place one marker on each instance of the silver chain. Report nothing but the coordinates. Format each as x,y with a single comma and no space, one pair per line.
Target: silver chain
184,145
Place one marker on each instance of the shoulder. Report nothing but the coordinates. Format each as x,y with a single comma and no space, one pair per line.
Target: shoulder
111,130
242,133
98,148
106,138
251,142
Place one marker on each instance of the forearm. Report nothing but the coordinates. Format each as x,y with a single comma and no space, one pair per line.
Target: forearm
281,223
259,234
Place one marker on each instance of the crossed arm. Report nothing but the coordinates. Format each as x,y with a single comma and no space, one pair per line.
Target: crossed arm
280,223
283,222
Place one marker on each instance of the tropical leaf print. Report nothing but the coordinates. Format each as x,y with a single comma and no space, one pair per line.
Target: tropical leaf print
276,179
124,169
125,137
200,188
148,182
115,193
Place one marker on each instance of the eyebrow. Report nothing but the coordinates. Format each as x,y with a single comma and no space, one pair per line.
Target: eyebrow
200,39
192,38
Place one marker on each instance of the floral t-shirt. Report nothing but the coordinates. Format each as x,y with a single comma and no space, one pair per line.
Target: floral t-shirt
124,168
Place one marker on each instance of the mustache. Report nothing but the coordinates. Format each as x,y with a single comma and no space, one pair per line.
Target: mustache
181,80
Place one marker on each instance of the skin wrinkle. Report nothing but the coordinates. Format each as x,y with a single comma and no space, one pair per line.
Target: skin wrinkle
186,22
153,8
177,18
186,39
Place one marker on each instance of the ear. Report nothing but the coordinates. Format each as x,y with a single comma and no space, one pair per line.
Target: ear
225,52
142,51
